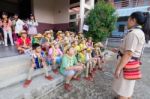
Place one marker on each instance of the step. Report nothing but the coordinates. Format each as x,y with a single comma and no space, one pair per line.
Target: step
15,69
38,88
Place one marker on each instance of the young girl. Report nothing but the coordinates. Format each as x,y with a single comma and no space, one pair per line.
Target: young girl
23,43
90,64
97,55
89,43
69,68
80,35
32,25
54,56
83,44
6,23
1,33
67,37
76,46
59,36
38,61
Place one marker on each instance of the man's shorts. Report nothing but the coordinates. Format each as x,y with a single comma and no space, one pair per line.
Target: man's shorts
69,73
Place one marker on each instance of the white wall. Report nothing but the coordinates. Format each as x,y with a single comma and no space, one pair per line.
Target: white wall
43,10
51,11
61,11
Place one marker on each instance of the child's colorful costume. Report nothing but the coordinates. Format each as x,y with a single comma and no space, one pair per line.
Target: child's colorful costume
38,60
54,54
23,42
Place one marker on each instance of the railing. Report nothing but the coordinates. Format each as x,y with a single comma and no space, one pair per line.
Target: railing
131,3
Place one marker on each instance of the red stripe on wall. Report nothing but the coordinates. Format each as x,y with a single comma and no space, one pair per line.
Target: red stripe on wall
45,26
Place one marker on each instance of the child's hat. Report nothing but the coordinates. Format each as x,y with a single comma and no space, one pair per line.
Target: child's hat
59,32
47,32
39,35
23,32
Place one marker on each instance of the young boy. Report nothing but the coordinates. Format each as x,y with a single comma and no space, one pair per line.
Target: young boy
84,57
38,61
23,43
37,38
69,68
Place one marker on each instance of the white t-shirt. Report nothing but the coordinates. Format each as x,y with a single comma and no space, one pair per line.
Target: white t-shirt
19,26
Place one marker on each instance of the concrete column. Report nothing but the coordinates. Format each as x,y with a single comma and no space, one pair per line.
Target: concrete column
82,10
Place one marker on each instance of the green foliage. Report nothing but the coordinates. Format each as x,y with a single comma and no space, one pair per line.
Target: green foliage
101,21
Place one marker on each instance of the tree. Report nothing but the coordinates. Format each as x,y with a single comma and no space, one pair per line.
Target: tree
101,21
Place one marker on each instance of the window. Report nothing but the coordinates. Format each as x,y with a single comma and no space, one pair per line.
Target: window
121,28
74,1
73,16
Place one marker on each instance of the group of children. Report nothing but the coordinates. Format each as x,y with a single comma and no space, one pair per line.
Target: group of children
68,53
10,27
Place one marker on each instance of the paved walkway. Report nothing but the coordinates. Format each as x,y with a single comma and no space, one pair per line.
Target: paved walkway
101,87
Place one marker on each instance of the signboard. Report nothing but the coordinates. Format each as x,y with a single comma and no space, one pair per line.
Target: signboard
86,27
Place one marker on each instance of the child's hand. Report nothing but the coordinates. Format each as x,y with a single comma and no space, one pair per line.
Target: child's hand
78,68
33,65
115,50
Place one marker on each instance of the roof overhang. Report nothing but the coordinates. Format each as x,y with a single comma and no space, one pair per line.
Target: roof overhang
127,11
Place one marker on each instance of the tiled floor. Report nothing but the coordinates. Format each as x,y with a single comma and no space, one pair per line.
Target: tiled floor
7,51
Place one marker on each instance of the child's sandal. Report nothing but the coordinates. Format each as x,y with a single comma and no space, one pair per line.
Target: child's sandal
67,87
27,83
49,77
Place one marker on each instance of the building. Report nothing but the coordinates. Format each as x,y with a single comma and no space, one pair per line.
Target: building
51,14
124,8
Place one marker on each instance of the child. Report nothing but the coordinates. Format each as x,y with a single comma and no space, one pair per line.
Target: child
17,26
84,57
76,46
69,68
32,24
38,61
89,43
1,33
65,47
7,29
54,56
83,44
67,37
46,41
96,54
59,36
23,43
91,63
37,38
80,36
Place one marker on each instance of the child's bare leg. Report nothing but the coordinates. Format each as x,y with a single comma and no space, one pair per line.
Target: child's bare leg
30,73
94,64
99,63
28,81
87,69
47,76
78,72
45,69
68,79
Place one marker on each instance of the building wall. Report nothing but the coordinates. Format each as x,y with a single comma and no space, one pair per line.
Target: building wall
44,11
52,14
61,11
